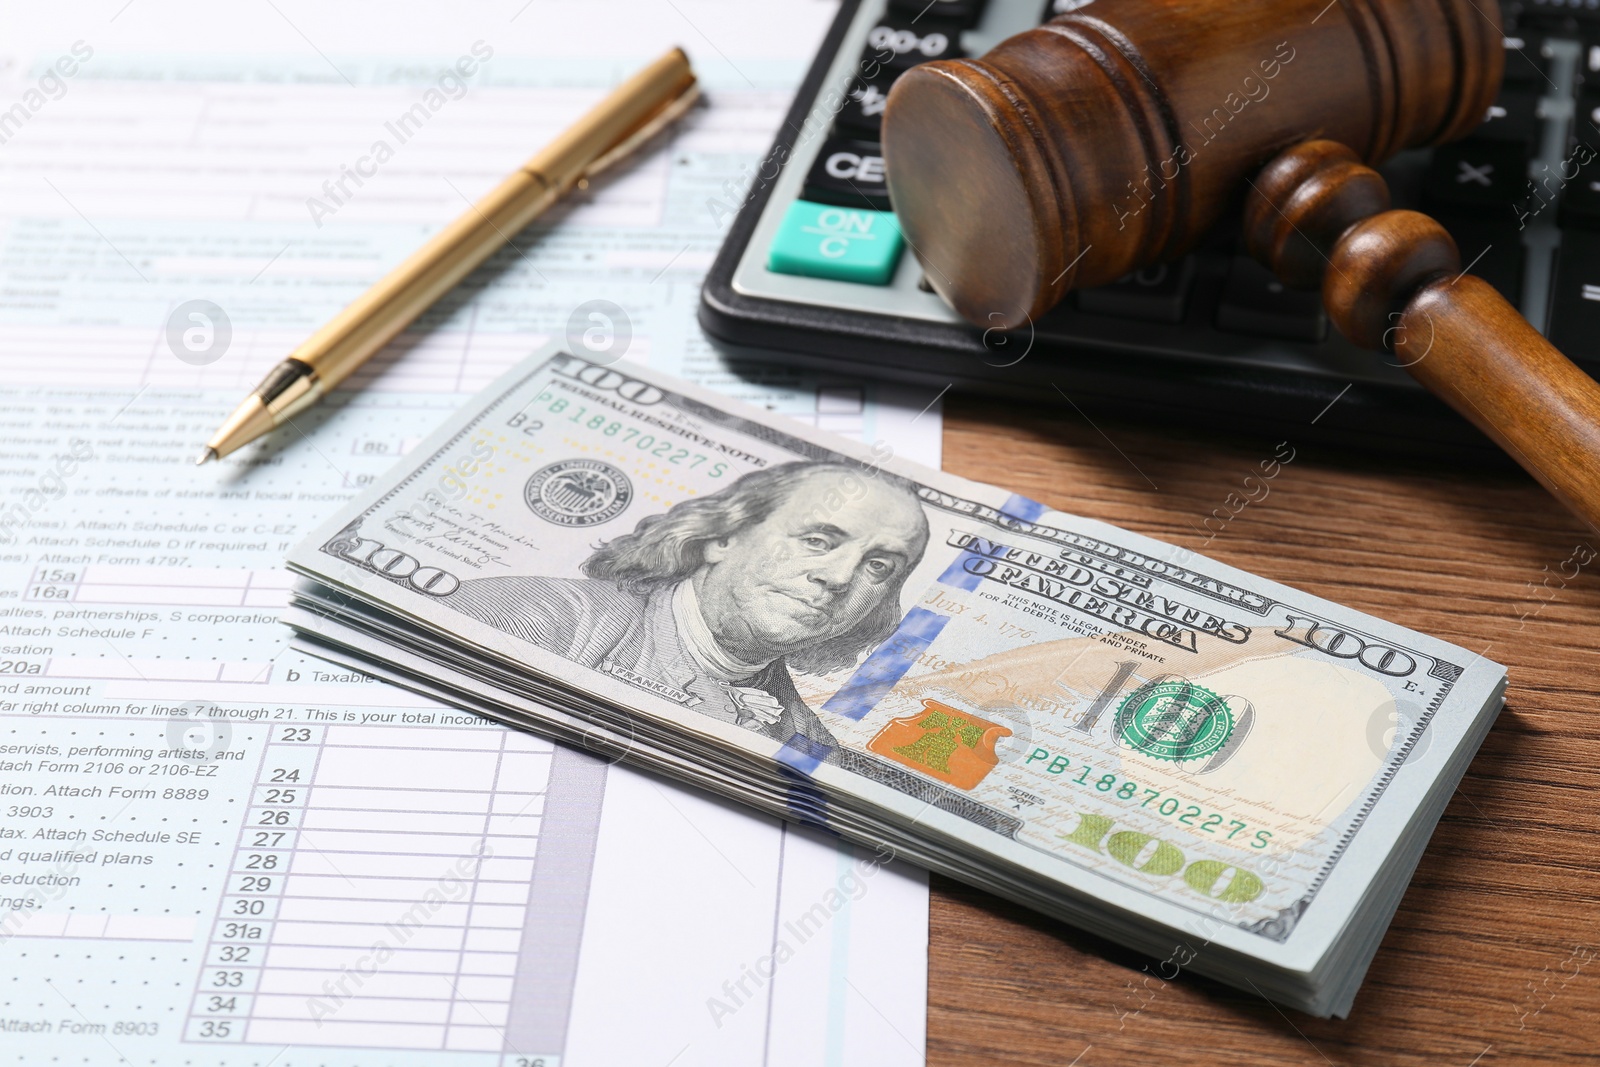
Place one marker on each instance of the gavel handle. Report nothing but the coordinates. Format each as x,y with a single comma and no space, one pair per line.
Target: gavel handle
1478,354
1392,280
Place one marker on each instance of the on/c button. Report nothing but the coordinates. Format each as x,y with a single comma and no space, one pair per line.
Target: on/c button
843,243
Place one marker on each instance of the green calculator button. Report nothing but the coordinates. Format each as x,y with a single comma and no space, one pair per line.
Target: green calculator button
846,243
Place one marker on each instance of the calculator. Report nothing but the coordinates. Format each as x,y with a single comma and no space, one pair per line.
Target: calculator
1212,340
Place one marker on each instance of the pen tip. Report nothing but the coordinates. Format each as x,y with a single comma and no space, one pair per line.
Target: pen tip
206,456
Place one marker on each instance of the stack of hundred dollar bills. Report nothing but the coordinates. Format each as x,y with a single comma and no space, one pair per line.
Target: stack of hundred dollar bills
1227,774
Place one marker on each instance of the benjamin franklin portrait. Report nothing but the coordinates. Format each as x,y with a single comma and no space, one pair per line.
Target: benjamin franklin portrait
714,602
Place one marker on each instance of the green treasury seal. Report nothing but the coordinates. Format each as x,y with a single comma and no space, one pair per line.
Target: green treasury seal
1174,721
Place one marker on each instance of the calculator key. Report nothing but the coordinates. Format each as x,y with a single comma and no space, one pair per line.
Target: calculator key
849,173
1580,204
1587,109
1575,298
898,43
1476,173
1514,116
1491,247
1578,179
1054,8
962,13
862,113
1560,15
1525,59
1157,293
1254,301
1588,69
827,241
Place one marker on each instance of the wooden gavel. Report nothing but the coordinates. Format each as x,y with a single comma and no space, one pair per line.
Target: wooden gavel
1114,137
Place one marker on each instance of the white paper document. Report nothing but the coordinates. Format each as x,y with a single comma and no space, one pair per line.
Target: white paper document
207,840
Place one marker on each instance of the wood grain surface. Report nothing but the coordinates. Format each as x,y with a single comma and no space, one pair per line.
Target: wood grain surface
1494,956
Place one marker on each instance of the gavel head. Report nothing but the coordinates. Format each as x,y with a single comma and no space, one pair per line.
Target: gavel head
1114,137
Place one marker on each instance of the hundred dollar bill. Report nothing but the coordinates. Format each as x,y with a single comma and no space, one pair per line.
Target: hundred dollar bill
1110,728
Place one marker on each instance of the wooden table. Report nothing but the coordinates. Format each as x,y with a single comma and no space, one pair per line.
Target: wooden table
1494,957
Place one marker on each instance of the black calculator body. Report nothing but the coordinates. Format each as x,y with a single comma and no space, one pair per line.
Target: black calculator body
1212,341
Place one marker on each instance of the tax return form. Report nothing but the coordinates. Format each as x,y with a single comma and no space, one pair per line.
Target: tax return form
213,851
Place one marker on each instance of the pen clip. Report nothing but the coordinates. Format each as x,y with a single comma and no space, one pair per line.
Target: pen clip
669,114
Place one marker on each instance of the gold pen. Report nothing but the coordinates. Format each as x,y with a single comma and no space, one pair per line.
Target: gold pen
638,109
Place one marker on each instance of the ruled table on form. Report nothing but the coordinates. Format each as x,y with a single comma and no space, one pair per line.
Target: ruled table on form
276,885
145,686
397,887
